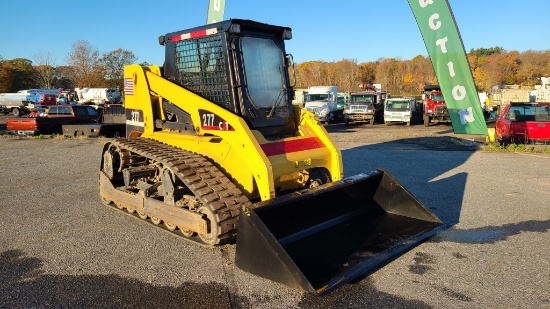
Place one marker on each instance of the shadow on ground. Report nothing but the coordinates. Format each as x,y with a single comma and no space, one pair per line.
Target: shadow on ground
23,285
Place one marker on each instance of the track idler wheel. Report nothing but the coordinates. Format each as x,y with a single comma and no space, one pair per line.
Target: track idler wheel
211,238
170,226
186,233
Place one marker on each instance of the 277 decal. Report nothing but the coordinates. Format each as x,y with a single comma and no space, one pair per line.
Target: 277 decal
211,121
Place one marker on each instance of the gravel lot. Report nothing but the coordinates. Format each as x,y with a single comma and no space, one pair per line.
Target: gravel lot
61,248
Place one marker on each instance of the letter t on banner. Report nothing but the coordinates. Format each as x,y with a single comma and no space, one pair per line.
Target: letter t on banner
215,12
446,50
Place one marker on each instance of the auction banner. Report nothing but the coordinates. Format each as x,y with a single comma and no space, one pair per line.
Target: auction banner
446,50
215,12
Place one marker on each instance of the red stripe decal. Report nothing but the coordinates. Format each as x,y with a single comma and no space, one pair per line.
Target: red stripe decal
277,148
198,34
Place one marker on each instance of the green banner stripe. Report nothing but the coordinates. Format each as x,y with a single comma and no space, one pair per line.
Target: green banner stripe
446,50
215,12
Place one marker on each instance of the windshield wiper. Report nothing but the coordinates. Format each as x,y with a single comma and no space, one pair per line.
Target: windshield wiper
277,102
281,94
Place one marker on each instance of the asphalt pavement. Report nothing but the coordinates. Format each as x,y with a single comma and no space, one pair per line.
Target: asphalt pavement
61,248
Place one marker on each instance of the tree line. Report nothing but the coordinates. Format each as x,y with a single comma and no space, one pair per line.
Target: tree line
86,68
489,66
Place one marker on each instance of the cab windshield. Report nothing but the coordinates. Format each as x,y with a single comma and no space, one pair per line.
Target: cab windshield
436,97
323,97
402,105
264,69
363,98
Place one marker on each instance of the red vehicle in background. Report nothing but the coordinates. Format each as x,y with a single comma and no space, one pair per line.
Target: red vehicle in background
524,123
435,108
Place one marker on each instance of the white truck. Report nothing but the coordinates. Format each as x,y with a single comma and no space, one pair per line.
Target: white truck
299,96
323,102
401,110
14,103
24,101
98,96
501,95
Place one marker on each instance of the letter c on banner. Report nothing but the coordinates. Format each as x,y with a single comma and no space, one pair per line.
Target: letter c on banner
437,24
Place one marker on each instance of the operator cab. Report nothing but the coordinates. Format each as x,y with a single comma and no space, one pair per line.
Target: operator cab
240,65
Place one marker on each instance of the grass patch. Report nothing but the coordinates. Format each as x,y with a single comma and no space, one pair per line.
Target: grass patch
494,147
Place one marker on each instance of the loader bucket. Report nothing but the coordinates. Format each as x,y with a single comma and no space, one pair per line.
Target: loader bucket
324,237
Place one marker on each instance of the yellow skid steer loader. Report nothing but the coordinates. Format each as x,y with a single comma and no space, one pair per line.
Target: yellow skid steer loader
215,151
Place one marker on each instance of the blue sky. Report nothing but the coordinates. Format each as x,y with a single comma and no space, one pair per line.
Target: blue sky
365,30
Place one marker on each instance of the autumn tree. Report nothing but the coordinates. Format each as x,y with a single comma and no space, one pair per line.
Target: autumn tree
3,76
44,75
310,73
367,72
16,74
533,65
113,63
330,74
482,79
349,75
87,69
64,74
422,72
390,74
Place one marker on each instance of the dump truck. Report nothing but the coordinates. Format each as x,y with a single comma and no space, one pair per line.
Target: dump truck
435,109
363,106
502,95
216,152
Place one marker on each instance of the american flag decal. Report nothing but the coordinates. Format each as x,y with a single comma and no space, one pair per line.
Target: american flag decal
129,86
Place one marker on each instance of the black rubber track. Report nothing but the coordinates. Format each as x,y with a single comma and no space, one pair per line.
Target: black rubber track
209,185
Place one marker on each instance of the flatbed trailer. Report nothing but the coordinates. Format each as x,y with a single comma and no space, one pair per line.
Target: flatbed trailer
95,129
113,124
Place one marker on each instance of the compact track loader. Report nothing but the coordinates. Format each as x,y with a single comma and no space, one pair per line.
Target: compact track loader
216,152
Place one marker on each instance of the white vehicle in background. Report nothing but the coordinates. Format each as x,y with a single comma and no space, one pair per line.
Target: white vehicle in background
323,102
14,103
98,96
299,96
401,110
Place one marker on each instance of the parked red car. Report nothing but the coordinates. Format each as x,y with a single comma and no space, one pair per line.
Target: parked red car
524,123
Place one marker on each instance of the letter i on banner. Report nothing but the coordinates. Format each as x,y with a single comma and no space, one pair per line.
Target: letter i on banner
446,50
215,12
